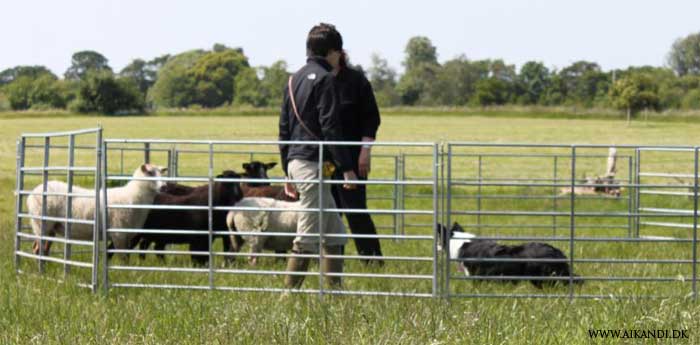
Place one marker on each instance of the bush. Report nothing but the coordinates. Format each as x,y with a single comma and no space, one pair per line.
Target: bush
100,92
691,100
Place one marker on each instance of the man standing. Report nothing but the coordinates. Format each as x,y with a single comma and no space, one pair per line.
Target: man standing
359,115
310,112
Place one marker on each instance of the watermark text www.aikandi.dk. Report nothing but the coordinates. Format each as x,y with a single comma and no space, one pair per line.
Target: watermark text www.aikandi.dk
639,333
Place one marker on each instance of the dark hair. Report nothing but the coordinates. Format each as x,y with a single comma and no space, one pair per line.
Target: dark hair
344,60
322,39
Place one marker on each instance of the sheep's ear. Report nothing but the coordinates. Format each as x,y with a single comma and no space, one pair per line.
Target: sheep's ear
144,168
163,170
270,165
246,166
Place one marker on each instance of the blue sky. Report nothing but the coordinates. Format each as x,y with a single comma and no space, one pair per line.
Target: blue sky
614,33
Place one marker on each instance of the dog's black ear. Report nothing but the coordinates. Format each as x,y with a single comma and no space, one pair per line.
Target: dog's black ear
457,228
270,165
246,166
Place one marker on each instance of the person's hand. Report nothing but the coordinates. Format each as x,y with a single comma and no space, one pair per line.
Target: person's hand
364,162
290,191
349,176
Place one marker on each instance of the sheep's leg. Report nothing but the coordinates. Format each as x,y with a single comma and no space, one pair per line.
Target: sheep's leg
159,246
35,247
255,248
199,260
143,245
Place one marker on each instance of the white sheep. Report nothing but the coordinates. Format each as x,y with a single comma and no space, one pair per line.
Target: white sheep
264,221
136,192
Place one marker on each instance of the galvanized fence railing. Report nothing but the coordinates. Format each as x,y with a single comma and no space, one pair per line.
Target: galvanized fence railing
44,222
422,282
640,243
607,254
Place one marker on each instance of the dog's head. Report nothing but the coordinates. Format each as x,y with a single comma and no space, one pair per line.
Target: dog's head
456,235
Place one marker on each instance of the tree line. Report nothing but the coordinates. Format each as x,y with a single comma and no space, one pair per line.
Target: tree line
223,76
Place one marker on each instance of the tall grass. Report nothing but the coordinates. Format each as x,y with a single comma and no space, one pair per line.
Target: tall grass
35,309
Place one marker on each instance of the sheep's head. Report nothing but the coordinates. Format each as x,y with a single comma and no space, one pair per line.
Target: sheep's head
257,169
231,191
149,170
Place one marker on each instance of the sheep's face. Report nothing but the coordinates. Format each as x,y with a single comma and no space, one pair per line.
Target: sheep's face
232,189
256,169
148,170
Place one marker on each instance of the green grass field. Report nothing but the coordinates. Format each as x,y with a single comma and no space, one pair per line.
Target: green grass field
38,310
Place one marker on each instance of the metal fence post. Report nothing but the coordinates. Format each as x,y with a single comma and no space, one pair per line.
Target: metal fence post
478,194
396,197
555,178
18,205
45,180
105,219
96,217
69,204
446,234
321,230
695,226
147,153
637,182
630,200
402,217
210,216
572,222
436,165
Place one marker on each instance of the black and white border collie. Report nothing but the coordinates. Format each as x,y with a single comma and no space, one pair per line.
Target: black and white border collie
463,246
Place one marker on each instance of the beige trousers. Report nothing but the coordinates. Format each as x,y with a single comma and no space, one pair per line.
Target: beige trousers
308,222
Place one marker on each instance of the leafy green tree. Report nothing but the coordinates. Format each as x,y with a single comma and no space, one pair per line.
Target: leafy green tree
491,91
47,92
214,75
684,57
582,81
383,80
249,89
274,79
635,92
175,86
84,61
33,72
19,93
691,100
102,93
533,80
421,69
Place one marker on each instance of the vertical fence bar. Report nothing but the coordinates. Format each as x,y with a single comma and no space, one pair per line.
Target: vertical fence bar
572,222
176,164
637,182
630,200
321,230
555,195
96,217
18,205
105,220
121,163
396,197
443,207
69,204
695,227
403,194
210,216
478,193
436,166
45,180
147,153
448,224
170,161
